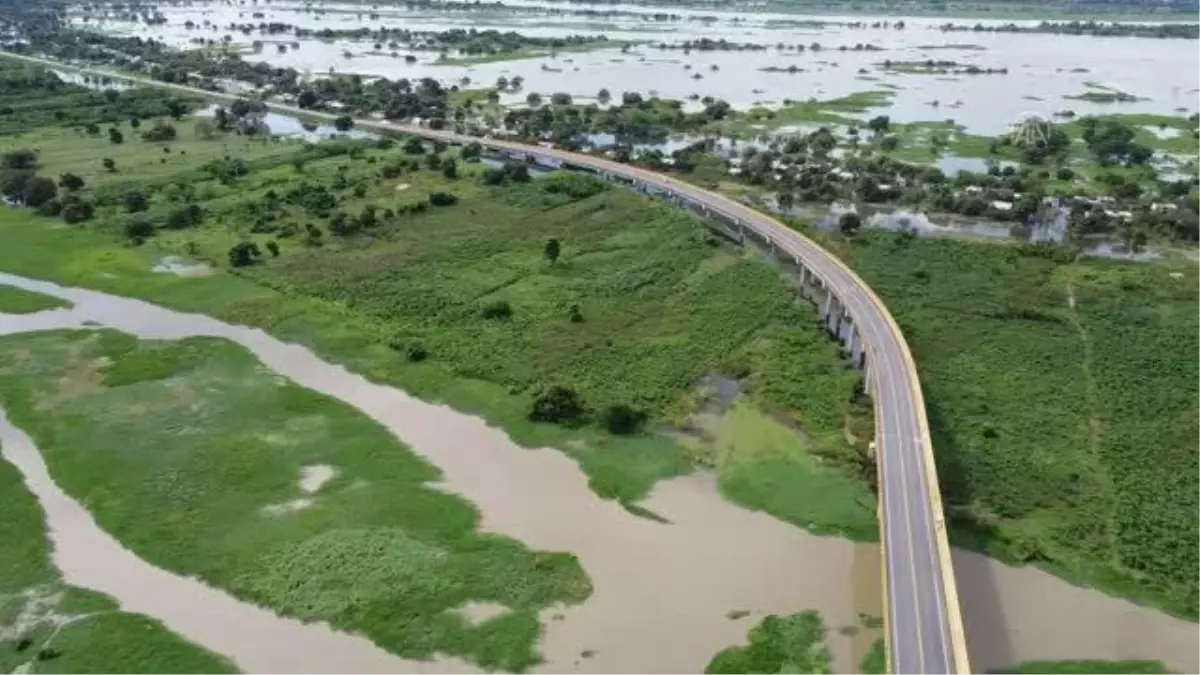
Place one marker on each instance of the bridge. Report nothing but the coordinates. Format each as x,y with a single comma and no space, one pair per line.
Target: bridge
924,630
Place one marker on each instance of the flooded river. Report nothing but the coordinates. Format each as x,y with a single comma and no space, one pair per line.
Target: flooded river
663,591
1042,69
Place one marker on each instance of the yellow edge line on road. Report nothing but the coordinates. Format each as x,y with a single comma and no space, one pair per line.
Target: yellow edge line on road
954,613
883,559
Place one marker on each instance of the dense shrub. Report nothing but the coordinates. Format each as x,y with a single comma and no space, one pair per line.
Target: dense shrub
622,419
139,227
559,405
442,199
243,254
499,310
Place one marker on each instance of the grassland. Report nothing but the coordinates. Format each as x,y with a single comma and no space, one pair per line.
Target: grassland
20,301
47,626
209,490
660,302
832,111
1062,402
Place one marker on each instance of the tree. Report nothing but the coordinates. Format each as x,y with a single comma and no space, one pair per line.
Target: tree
879,123
243,254
343,123
38,190
534,99
450,168
109,165
442,199
849,223
161,132
414,146
20,159
135,201
115,136
560,98
307,99
176,109
70,181
185,216
552,250
559,405
139,227
889,143
604,96
273,248
77,211
134,122
621,419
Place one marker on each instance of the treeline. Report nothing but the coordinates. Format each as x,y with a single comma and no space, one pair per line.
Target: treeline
1189,31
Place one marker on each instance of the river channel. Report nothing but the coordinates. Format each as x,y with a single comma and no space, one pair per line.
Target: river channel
663,591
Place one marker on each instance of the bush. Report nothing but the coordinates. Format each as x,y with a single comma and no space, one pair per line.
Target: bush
499,310
77,211
38,190
621,419
139,227
1064,173
243,254
186,216
51,208
575,185
135,201
416,352
161,132
558,405
442,199
70,181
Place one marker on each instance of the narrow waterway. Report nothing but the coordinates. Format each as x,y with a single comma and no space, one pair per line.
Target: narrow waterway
663,592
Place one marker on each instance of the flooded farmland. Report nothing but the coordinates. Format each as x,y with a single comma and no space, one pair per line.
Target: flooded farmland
1041,69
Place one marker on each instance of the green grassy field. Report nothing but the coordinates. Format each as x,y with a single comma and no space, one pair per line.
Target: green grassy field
47,626
19,301
205,491
641,304
1062,402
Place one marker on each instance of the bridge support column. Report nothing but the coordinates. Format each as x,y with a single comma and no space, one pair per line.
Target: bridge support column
826,306
834,323
856,349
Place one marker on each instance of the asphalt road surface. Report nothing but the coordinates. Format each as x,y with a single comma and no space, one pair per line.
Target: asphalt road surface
923,621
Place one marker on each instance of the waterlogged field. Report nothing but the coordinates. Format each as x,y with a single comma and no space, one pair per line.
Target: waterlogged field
47,626
1062,405
1041,70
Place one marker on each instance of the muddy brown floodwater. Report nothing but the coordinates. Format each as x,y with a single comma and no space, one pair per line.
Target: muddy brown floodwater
663,592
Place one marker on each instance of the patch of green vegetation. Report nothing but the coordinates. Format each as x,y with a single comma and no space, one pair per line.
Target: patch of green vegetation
98,638
1055,667
528,53
790,644
1099,482
355,260
875,661
763,464
20,301
832,111
1104,97
205,492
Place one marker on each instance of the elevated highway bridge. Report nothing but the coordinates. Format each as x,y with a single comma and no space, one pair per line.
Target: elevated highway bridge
924,629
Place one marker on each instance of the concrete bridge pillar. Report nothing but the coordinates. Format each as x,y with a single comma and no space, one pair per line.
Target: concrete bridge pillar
827,306
835,319
856,349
